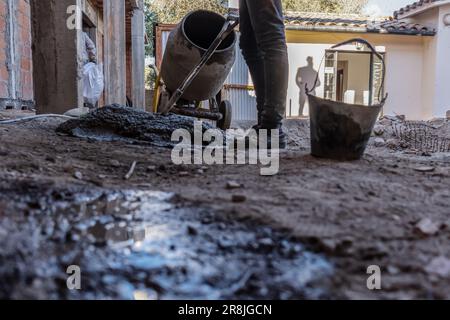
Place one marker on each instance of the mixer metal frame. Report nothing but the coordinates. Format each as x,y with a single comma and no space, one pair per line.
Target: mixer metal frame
219,111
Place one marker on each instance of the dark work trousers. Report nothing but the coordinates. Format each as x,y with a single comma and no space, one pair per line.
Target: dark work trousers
263,45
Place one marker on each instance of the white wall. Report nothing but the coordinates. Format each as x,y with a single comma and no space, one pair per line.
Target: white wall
298,53
404,68
436,62
429,76
404,81
428,18
442,99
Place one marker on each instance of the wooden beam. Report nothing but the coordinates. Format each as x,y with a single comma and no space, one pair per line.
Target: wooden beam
56,71
115,51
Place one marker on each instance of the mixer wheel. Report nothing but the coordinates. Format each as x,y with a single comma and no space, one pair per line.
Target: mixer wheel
226,110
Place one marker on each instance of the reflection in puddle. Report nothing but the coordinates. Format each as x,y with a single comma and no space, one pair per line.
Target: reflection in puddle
142,245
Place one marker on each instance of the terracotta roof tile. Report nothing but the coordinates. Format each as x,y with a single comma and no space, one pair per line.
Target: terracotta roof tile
326,19
413,6
354,23
403,27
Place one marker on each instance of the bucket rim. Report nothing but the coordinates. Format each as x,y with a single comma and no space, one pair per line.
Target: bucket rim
198,47
378,105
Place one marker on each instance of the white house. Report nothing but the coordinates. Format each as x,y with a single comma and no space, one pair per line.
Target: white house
415,43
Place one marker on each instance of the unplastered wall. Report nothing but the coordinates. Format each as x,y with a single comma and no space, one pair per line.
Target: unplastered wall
23,50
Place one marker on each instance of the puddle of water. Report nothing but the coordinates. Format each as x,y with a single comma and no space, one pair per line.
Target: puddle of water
141,245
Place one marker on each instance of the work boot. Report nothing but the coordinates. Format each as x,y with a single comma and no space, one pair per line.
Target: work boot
282,138
274,124
272,119
257,126
253,139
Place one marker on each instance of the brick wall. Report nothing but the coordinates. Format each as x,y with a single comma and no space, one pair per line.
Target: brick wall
21,66
23,16
4,74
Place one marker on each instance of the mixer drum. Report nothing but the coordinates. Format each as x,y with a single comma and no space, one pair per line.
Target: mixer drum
185,47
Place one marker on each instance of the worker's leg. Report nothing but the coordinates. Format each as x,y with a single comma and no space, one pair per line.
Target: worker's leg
267,20
252,56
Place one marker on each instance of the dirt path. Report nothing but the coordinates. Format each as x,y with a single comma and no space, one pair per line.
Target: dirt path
357,214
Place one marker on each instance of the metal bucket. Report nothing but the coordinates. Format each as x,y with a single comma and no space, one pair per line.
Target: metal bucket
186,45
341,131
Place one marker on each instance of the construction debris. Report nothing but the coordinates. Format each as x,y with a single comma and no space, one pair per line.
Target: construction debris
379,130
379,142
355,213
439,266
192,231
425,169
131,171
78,175
421,136
115,163
233,185
118,123
427,227
156,245
238,198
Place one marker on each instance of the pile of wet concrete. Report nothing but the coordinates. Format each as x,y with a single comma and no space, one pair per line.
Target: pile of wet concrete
119,123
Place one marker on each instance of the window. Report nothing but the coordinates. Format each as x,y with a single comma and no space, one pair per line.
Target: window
353,77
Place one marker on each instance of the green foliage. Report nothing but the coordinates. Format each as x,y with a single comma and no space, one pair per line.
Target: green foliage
172,11
150,19
150,78
329,6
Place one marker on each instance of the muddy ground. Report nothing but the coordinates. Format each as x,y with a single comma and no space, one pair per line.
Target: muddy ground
196,231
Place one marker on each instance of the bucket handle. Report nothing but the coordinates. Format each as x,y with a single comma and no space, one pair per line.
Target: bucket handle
359,40
374,51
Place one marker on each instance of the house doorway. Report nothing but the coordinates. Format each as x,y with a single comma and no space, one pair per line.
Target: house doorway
353,77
